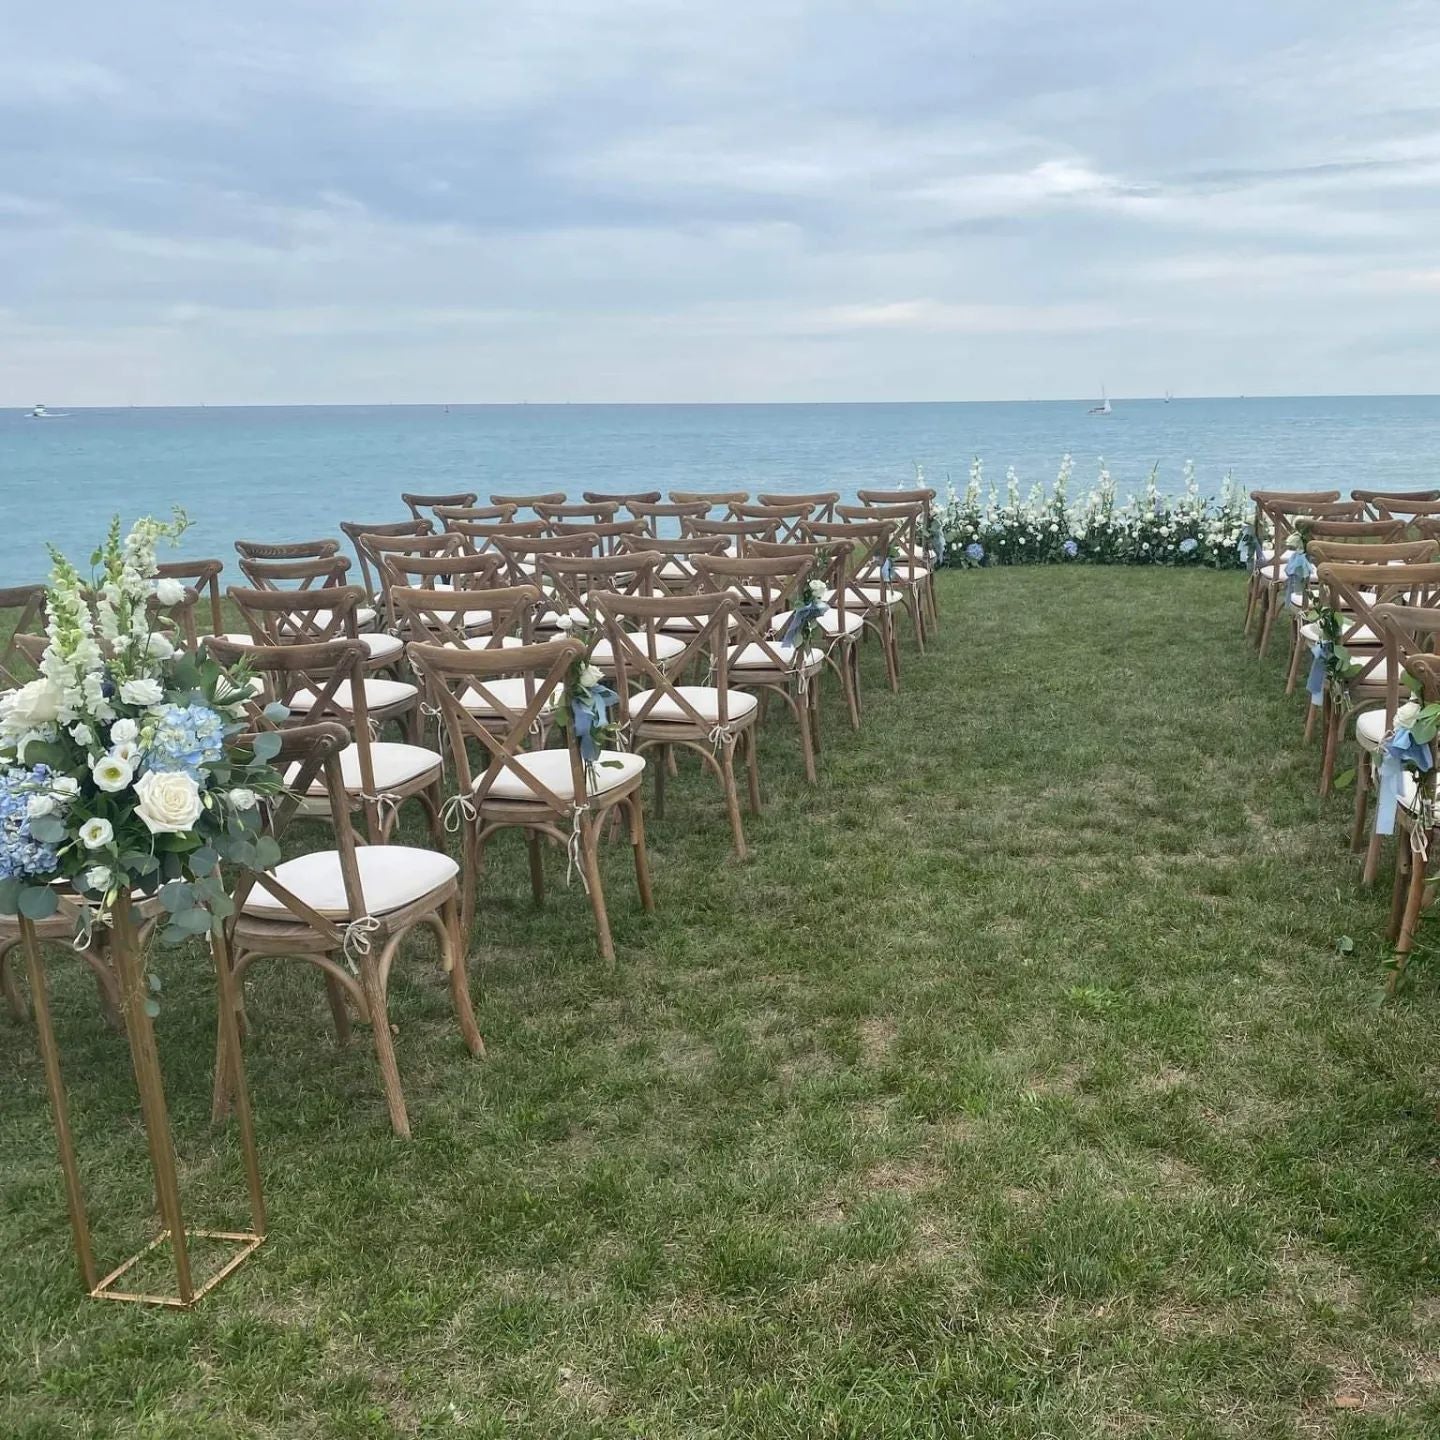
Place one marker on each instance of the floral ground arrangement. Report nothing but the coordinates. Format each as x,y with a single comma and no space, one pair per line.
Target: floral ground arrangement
1018,1085
985,526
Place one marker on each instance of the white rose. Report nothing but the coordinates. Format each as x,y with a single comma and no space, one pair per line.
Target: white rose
40,805
1407,715
124,732
589,676
169,801
29,707
96,833
158,646
142,692
98,877
112,774
169,591
66,786
242,799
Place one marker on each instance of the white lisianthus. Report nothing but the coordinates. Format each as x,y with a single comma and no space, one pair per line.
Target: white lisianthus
1407,715
142,692
96,833
589,677
169,591
112,774
83,734
815,590
129,752
98,877
66,786
242,799
169,801
29,707
124,732
39,805
158,646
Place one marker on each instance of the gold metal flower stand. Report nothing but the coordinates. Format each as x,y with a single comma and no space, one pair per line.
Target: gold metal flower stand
125,953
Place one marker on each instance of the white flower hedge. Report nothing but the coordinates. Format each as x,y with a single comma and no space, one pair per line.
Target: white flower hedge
1146,529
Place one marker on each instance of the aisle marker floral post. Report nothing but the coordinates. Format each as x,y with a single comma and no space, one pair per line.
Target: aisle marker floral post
118,771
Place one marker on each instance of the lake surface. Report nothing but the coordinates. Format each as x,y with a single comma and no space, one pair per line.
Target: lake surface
293,473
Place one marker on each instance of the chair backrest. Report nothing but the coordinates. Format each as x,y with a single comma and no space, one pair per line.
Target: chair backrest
293,550
786,521
633,497
822,503
761,589
320,669
868,545
1279,518
574,580
417,505
299,617
598,513
896,497
676,571
737,532
654,514
1356,590
1407,630
26,604
481,535
607,535
481,514
906,520
326,570
1401,497
529,502
633,623
1392,508
453,677
203,577
523,554
1383,532
364,539
712,499
1402,552
447,617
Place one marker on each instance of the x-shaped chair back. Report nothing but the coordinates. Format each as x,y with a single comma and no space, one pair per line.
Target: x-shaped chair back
203,577
760,588
291,550
1374,499
365,540
869,545
299,617
667,518
417,505
443,617
676,566
475,514
529,502
720,500
27,604
632,497
601,512
738,533
524,553
608,534
786,521
1357,590
822,503
482,535
574,580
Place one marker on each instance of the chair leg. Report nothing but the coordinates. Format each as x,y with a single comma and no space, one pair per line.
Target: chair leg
453,959
1372,859
637,844
661,769
848,684
1403,861
752,768
807,745
1334,722
732,796
537,866
1293,677
339,1010
590,863
1271,607
1405,940
892,650
13,998
813,695
371,969
1362,796
1249,607
1310,712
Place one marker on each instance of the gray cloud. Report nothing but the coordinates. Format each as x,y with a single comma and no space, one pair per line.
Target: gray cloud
659,200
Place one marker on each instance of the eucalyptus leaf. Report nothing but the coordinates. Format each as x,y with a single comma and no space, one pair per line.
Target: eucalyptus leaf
267,852
152,1007
38,902
177,897
276,711
267,745
203,861
191,922
48,829
9,896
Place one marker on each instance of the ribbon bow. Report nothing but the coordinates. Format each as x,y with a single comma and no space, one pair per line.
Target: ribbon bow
1400,749
1322,650
1299,569
589,712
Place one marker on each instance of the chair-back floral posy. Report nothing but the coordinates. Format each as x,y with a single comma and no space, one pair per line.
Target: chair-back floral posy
118,767
588,708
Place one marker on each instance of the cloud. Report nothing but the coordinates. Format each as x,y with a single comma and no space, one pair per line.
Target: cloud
796,199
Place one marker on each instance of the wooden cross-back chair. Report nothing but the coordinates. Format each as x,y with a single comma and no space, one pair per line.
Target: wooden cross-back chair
720,500
418,505
546,793
390,554
573,583
737,534
908,572
364,540
1355,590
628,498
926,546
529,502
480,536
787,520
758,656
490,619
710,719
22,612
1262,550
346,910
1410,508
203,577
523,553
311,577
599,512
1416,816
662,519
676,570
1372,499
1270,583
608,535
459,574
861,585
1353,533
313,616
289,550
475,514
379,776
841,624
822,503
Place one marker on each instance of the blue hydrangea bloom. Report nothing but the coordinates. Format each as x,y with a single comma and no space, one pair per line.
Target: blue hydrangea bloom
1071,549
22,857
1188,544
975,551
183,737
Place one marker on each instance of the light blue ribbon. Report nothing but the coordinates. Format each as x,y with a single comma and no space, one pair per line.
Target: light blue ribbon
1298,567
1247,549
799,619
1399,750
588,714
887,570
937,538
1322,650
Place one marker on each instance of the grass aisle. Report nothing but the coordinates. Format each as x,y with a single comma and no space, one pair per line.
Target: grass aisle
1016,1087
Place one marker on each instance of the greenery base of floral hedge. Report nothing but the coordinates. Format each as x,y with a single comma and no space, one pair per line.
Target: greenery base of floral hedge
1049,528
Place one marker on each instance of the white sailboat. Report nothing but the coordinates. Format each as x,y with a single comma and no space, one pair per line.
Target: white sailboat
1103,408
39,412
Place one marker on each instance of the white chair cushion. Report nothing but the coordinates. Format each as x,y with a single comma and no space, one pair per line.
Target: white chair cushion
1362,636
552,769
660,648
1370,729
382,646
379,695
675,570
905,571
393,764
508,691
391,876
870,594
550,619
763,657
487,642
365,618
705,699
829,622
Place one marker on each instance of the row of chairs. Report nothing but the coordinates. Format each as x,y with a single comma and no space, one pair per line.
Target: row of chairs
1359,581
441,681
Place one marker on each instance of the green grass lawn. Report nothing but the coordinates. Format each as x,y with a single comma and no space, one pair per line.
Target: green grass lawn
1016,1087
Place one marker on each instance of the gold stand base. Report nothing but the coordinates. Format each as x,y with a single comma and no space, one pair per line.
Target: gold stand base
247,1241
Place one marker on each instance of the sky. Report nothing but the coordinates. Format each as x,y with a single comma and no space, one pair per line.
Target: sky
666,200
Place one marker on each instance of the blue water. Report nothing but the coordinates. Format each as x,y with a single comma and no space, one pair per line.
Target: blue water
292,473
